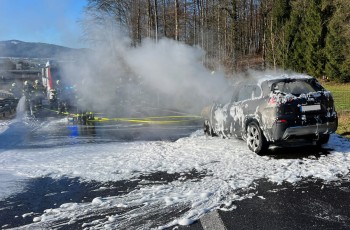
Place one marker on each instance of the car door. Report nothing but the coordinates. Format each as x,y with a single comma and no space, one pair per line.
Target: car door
243,106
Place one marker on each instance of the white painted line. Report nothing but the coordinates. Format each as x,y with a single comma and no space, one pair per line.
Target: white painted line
212,221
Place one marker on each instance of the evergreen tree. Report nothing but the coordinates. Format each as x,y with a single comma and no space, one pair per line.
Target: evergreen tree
295,36
313,38
333,49
338,44
277,46
307,36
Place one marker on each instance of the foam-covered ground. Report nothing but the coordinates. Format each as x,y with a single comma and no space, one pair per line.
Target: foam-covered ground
228,167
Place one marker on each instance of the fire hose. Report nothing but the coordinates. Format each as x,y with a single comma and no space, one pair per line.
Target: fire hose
148,120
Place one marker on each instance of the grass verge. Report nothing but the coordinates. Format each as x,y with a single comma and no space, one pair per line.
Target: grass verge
341,95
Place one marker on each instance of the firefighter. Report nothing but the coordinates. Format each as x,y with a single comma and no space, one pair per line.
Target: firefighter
53,99
16,91
28,91
58,86
90,116
39,93
61,98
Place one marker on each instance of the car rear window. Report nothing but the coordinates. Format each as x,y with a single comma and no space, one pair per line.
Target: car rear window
296,87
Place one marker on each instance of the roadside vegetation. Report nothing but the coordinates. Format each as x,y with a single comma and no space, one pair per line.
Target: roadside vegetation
341,94
304,36
344,124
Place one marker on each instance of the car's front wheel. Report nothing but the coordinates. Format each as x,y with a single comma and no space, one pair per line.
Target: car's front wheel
208,130
256,140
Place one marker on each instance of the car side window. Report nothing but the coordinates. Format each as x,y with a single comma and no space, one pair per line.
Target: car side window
256,91
247,92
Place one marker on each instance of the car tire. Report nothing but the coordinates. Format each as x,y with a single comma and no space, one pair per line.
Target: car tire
256,140
322,139
208,130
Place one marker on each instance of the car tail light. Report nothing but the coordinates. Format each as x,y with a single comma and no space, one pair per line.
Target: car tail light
282,121
273,100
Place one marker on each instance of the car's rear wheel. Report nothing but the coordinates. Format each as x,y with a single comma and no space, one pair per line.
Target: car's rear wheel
322,139
256,140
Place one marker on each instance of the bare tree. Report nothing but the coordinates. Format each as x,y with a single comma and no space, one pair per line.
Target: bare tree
228,30
156,19
176,13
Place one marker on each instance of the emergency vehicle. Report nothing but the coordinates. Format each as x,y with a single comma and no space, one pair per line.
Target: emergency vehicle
50,75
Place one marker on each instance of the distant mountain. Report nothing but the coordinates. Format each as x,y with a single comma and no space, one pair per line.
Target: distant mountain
20,49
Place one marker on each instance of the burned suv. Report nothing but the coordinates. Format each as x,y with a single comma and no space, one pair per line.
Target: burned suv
274,110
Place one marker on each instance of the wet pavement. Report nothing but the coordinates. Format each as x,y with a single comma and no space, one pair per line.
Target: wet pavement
309,204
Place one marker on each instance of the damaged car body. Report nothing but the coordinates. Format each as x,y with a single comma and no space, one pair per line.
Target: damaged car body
274,110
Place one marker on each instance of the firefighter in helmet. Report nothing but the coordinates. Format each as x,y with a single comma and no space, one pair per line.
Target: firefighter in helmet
39,93
61,98
28,91
16,90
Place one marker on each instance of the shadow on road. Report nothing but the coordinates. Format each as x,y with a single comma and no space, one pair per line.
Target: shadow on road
298,152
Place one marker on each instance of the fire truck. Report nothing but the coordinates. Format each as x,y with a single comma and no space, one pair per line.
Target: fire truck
50,76
59,94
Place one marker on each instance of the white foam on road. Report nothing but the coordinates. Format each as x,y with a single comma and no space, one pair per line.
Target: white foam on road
228,164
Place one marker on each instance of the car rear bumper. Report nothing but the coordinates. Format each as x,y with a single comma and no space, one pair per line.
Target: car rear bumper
326,128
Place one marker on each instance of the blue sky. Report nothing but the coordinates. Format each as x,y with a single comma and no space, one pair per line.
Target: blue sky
49,21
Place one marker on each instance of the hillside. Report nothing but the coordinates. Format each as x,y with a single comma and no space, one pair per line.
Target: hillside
20,49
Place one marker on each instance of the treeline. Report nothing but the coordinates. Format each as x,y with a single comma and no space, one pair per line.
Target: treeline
308,36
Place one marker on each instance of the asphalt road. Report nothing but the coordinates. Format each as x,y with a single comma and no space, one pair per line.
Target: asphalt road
309,204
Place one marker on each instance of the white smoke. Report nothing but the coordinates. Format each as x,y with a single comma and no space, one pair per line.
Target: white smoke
117,78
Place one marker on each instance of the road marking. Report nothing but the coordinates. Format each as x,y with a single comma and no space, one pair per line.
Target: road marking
212,221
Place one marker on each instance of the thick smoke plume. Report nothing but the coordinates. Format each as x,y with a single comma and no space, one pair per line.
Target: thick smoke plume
117,78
